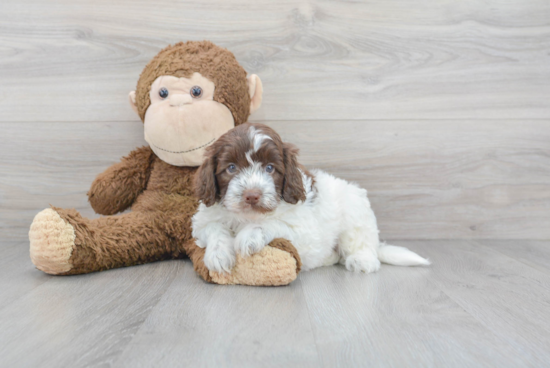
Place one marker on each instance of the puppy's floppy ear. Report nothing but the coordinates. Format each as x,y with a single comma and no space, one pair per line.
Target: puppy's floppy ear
206,186
293,187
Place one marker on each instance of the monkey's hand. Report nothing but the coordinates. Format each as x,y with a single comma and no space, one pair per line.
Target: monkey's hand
116,188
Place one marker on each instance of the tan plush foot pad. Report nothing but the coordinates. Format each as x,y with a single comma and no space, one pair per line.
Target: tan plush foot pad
52,241
269,267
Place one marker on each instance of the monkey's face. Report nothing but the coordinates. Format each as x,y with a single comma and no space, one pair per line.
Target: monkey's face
189,95
183,119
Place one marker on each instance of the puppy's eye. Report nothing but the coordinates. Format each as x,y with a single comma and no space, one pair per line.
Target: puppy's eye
269,168
163,92
196,92
231,168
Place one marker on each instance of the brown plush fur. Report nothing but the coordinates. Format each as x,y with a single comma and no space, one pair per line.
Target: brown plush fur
211,61
285,245
160,195
157,228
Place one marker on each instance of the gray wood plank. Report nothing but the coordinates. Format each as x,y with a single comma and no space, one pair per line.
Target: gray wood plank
197,324
82,320
508,297
67,61
535,253
395,318
473,307
55,163
18,276
426,179
439,179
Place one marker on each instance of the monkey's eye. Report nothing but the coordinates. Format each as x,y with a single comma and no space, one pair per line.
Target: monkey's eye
269,168
196,92
232,168
163,92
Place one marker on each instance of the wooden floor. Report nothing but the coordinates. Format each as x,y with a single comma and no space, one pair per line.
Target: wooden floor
441,109
481,303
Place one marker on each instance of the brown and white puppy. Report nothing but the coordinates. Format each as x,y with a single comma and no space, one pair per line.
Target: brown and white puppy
269,171
253,190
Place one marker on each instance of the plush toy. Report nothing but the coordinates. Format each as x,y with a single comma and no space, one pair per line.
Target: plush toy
187,97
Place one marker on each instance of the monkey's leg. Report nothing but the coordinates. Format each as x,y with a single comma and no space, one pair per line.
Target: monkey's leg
62,242
277,264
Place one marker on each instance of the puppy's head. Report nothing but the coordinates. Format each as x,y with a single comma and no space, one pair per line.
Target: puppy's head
249,169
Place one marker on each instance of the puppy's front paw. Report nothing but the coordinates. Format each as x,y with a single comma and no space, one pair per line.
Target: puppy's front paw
219,259
363,262
250,241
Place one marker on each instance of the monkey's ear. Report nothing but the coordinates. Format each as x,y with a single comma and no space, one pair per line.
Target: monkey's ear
132,99
255,90
293,187
206,187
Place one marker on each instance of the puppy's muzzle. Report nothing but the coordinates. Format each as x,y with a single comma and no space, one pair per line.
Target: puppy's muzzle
252,196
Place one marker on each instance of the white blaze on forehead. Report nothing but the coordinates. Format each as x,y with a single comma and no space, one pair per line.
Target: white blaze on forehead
257,137
252,177
248,156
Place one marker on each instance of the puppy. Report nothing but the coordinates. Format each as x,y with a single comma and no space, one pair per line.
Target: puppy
253,190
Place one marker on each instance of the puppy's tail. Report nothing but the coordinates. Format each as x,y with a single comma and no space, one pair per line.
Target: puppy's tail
400,256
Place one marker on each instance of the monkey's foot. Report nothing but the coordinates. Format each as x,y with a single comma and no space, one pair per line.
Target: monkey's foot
52,242
276,264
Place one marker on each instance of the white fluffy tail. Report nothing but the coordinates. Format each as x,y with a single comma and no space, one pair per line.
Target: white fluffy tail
400,256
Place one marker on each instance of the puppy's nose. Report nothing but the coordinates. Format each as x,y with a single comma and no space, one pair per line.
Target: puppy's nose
252,196
179,99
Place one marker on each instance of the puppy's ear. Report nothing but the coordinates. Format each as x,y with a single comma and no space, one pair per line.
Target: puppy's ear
293,188
206,187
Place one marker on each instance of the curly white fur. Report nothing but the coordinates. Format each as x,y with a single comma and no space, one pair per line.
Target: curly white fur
334,224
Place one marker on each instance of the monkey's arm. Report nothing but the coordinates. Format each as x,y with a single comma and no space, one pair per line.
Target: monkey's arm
116,188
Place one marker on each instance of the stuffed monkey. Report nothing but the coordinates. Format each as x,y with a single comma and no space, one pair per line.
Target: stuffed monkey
187,97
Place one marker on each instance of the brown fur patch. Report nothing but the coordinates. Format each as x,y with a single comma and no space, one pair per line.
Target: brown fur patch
293,187
158,228
213,62
287,246
161,196
132,173
231,148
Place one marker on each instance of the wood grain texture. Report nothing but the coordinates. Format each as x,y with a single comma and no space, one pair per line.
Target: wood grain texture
534,253
395,318
429,179
440,109
18,276
508,297
198,324
426,179
474,307
47,164
83,320
77,61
